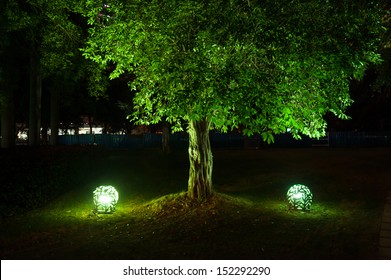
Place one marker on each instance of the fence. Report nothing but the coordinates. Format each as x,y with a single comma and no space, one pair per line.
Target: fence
230,140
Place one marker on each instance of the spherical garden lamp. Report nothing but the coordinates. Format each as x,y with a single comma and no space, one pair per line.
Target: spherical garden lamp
105,199
299,197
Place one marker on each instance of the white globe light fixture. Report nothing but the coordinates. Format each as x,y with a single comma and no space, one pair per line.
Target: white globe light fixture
105,199
299,197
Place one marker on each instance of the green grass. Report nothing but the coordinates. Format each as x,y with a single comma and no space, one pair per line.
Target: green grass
246,218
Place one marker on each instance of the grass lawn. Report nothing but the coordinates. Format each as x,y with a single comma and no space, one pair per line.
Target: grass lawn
47,204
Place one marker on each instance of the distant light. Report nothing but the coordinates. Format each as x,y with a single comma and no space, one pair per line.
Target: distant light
299,197
105,199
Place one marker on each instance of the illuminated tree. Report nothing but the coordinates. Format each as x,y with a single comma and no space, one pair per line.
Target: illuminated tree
266,65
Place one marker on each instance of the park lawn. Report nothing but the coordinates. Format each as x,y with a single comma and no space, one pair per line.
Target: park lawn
246,218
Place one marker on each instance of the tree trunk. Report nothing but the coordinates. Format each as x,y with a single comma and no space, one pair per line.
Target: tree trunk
44,134
35,100
201,160
90,123
8,122
166,138
54,112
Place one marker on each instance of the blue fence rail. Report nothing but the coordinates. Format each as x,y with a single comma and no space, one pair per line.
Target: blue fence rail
356,138
229,140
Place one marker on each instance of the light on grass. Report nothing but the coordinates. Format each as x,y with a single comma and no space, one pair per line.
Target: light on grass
105,199
299,197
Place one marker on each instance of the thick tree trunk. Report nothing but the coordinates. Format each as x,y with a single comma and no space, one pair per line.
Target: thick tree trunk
166,138
35,100
8,122
54,112
201,160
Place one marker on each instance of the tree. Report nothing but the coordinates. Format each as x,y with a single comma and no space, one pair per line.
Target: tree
266,65
383,83
7,111
49,34
32,20
8,80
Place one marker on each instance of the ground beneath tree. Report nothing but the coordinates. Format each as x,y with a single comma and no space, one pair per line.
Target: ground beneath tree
246,218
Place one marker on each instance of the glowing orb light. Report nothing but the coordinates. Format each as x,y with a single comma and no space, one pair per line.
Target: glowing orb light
105,199
299,197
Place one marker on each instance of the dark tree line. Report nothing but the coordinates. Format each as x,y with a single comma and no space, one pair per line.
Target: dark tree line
45,82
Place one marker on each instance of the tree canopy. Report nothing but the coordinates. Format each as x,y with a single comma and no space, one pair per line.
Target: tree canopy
267,65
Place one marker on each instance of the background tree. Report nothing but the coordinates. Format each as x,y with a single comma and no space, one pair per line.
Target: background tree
48,36
6,102
33,22
383,71
10,76
267,65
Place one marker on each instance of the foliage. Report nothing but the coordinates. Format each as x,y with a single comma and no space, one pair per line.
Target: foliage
44,25
264,65
55,32
383,83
